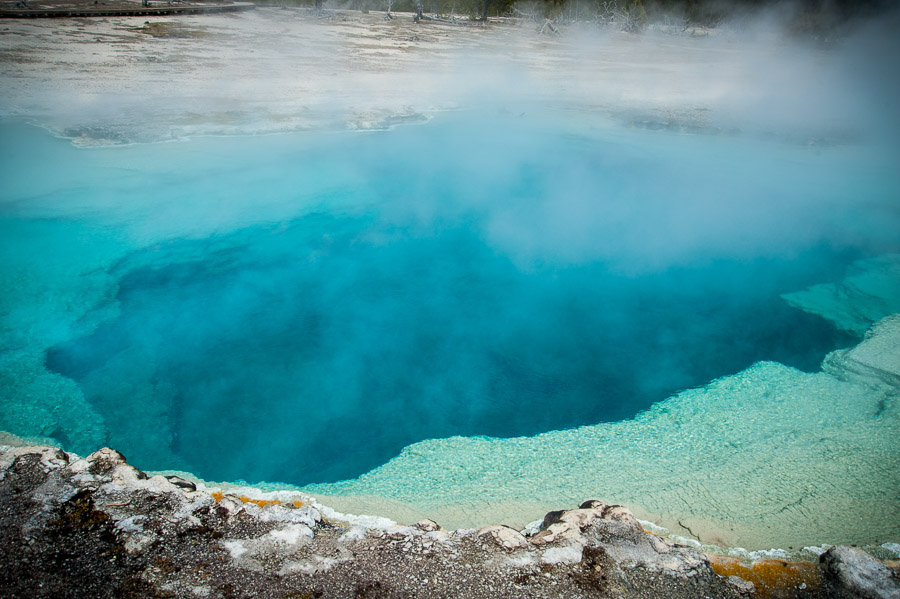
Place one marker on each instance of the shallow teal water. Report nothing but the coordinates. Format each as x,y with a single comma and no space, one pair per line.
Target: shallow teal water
299,308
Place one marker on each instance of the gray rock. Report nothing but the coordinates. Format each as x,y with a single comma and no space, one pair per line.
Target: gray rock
230,506
622,538
504,536
744,587
105,460
118,529
427,525
860,573
552,518
556,532
180,482
617,531
137,543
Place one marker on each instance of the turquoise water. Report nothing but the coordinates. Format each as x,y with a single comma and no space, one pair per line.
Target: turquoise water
299,308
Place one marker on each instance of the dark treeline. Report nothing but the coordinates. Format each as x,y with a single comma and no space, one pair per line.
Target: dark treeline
799,15
711,12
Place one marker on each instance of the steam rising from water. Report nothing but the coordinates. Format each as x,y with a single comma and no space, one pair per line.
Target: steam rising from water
301,307
496,278
276,70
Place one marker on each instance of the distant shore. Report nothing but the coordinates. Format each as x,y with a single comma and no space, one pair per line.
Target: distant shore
120,8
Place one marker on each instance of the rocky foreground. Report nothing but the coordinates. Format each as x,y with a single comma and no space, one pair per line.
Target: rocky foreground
98,527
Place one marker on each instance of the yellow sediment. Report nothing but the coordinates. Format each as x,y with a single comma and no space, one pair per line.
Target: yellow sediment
773,577
219,496
260,502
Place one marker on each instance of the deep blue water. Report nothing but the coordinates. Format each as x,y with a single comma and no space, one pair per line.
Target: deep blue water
305,340
465,277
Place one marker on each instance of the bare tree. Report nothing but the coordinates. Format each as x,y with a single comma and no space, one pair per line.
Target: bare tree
548,27
607,12
484,14
526,11
628,15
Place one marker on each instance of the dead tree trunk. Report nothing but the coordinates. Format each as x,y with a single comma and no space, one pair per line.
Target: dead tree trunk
548,26
487,3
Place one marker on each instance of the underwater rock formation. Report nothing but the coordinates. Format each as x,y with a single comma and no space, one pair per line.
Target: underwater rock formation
98,527
869,292
768,457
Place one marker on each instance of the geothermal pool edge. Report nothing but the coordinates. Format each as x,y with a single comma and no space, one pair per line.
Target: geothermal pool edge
118,532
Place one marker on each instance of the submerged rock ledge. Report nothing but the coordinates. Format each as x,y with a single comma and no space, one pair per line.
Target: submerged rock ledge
98,527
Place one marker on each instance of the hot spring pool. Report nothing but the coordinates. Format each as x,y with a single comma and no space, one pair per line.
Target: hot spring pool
300,308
